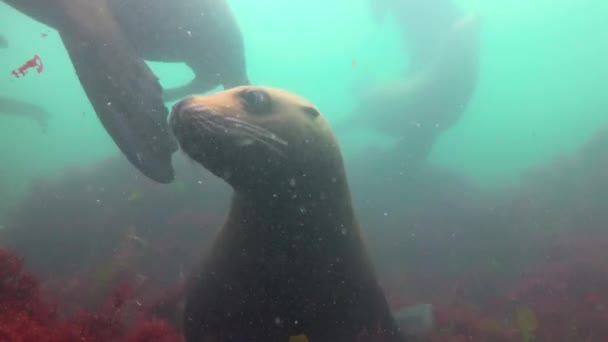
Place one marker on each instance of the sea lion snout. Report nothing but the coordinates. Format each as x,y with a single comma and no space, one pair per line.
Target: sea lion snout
179,107
183,112
181,118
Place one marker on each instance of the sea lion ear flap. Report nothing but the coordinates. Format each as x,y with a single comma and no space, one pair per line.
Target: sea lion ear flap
313,113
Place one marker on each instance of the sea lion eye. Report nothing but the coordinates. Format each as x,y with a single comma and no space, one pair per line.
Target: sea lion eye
256,101
311,111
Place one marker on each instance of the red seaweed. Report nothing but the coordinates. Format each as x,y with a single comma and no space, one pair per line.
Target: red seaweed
25,315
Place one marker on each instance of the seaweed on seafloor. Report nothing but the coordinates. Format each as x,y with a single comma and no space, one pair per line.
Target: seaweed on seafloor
567,292
94,226
461,324
69,224
27,315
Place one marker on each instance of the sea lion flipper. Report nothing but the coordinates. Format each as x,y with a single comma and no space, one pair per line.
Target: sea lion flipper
124,92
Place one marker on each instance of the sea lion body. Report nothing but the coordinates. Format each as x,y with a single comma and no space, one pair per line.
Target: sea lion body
204,34
122,89
423,23
108,40
289,259
418,107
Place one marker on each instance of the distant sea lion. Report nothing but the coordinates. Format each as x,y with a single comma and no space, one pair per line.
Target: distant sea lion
418,107
25,109
290,258
423,24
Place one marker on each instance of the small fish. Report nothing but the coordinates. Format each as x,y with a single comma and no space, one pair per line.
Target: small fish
35,62
44,35
354,63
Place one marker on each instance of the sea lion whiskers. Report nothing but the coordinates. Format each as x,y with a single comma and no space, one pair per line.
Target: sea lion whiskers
255,133
233,123
245,132
257,130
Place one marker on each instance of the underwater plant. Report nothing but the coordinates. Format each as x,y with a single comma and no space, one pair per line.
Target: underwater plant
26,314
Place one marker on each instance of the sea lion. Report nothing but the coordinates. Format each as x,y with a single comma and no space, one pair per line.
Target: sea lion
25,109
106,41
204,34
418,107
423,24
125,94
290,258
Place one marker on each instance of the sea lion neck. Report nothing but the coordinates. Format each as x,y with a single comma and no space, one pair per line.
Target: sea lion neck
296,201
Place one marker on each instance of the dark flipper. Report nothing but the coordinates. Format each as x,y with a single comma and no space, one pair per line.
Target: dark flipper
123,90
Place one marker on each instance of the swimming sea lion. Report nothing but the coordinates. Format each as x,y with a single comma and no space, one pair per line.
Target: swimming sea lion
290,258
423,24
125,94
417,108
202,33
105,40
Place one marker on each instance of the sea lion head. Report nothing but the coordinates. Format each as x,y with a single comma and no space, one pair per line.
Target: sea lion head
255,137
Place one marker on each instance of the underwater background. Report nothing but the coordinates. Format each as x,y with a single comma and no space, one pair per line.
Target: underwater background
543,69
541,97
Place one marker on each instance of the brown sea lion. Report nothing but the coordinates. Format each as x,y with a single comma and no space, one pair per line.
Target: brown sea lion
290,258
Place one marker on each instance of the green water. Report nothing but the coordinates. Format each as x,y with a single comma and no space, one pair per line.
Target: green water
541,91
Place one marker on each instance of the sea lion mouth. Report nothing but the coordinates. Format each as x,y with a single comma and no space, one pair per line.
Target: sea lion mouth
194,124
